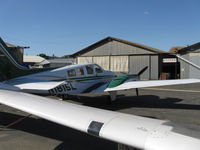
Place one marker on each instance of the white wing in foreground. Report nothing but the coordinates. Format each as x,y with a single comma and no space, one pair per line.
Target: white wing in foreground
135,131
144,84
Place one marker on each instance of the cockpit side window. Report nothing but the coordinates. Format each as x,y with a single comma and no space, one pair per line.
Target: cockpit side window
71,73
89,69
98,69
80,71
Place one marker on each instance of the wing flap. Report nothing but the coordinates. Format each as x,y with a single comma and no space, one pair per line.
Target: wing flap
139,132
154,83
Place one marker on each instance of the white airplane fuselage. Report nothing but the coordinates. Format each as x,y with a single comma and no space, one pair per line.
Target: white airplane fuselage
77,79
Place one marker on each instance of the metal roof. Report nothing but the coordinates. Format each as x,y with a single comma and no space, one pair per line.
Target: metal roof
189,48
108,39
15,46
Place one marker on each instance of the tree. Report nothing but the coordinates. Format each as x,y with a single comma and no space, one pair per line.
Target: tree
43,55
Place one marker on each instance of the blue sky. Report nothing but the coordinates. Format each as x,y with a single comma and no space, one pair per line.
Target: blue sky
63,27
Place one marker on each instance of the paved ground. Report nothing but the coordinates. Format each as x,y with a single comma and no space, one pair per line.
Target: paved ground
180,104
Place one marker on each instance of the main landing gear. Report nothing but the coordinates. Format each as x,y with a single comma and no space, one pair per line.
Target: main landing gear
64,96
112,96
137,91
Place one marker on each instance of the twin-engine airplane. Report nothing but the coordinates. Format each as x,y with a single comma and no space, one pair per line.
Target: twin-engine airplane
134,131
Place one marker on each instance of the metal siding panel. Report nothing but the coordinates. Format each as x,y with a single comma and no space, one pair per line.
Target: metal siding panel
103,61
184,67
194,72
137,63
125,49
119,63
84,60
116,48
100,51
154,67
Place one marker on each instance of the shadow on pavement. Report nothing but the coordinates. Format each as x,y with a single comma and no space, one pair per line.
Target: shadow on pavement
71,139
123,102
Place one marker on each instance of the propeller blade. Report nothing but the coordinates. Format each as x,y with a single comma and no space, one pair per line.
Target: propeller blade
143,70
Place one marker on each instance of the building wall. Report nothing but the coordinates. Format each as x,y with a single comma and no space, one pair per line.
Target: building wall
188,71
139,62
154,71
127,64
195,58
116,48
184,67
123,58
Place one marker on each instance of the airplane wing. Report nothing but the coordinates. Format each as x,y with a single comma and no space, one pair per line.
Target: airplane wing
143,84
33,86
135,131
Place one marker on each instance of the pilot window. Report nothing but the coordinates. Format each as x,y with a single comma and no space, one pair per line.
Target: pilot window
80,71
98,69
71,73
89,69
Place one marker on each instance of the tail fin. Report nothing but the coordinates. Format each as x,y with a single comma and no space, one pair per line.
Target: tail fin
10,67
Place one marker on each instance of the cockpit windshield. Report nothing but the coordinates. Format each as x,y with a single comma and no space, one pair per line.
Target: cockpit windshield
98,69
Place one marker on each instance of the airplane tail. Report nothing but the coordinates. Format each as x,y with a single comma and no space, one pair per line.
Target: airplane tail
10,67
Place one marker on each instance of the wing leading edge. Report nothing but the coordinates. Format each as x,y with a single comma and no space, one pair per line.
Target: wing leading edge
143,84
135,131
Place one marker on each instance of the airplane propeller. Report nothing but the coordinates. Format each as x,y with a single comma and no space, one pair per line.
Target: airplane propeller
142,71
139,73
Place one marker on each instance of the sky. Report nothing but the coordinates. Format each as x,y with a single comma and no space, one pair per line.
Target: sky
62,27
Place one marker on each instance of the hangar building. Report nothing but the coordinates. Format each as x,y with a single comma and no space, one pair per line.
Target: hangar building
123,56
191,53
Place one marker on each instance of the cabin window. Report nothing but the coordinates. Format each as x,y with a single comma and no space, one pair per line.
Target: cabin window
89,69
71,73
80,71
98,69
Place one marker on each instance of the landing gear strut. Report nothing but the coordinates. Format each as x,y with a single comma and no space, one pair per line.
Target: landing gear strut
64,96
137,91
112,96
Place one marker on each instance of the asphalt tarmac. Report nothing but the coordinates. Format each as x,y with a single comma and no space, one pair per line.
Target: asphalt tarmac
179,104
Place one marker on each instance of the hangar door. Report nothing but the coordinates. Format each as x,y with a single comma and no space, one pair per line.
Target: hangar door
137,63
119,63
84,60
103,61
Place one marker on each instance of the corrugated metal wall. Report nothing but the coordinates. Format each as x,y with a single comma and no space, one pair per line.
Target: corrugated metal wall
103,61
195,58
184,67
154,71
137,63
121,57
116,48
